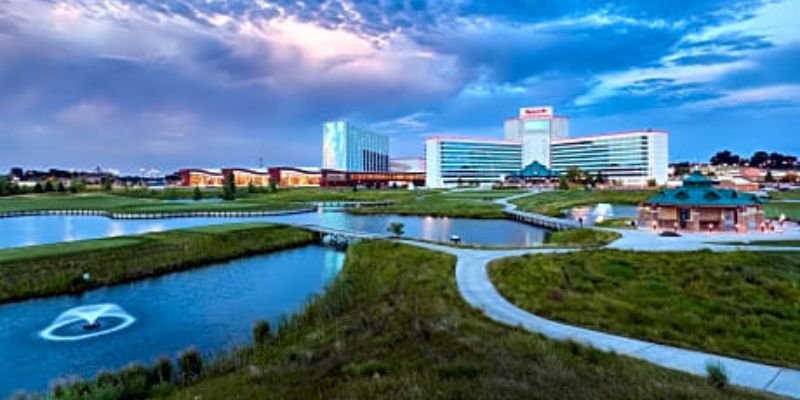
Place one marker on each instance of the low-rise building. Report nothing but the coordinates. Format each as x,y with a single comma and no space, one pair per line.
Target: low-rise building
296,177
699,206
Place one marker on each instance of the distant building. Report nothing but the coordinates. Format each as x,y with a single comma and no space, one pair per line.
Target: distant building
533,173
536,128
630,158
296,177
699,206
346,147
215,177
373,180
454,161
407,164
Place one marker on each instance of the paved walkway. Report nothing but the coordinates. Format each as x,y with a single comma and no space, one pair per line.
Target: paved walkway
476,288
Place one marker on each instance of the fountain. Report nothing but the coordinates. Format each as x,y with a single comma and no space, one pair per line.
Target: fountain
602,211
87,321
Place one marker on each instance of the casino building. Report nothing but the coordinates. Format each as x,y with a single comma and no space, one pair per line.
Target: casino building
452,161
346,147
216,177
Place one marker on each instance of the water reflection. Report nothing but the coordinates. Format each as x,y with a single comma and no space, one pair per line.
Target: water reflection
24,231
211,308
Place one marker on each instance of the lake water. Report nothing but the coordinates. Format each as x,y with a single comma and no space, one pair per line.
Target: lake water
211,308
28,231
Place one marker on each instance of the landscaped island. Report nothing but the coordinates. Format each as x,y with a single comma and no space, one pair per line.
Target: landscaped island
77,266
740,304
393,325
554,203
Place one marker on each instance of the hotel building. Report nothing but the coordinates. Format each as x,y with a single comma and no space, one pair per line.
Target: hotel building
536,128
451,161
631,158
346,147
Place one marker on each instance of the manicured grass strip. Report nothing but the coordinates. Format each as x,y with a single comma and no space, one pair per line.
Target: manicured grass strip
441,205
393,326
57,269
552,203
787,195
580,237
777,243
740,304
618,223
790,210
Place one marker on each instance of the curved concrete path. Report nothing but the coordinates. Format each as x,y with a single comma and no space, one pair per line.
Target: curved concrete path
475,286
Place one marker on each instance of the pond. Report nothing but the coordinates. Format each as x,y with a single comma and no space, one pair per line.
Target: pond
212,308
591,215
28,231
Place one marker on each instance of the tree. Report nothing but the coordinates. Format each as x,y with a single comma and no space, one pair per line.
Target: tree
198,194
60,187
651,183
38,188
599,178
562,183
725,157
273,186
759,159
48,186
251,188
396,229
769,178
5,186
229,187
574,174
107,183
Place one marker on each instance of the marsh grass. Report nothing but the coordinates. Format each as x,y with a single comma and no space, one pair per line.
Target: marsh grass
394,326
740,304
57,269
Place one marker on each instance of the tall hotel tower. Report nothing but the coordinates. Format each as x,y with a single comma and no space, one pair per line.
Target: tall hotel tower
535,128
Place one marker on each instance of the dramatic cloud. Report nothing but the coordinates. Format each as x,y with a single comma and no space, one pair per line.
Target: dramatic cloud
145,83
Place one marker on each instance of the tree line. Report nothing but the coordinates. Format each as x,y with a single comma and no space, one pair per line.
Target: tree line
759,159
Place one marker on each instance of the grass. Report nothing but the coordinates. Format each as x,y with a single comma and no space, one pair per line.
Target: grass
777,243
553,203
394,326
740,304
125,204
583,237
56,269
617,223
476,205
787,195
775,210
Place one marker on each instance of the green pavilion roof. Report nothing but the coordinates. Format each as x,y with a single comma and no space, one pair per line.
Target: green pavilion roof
699,190
535,170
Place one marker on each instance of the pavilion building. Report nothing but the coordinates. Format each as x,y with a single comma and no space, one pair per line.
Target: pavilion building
699,206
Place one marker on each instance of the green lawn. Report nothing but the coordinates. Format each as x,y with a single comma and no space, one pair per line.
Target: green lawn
583,237
788,195
454,205
552,203
58,268
778,243
393,326
617,223
740,304
791,210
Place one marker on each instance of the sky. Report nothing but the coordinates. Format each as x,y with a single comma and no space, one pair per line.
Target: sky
130,84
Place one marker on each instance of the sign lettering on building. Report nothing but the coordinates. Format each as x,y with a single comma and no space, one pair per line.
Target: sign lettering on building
544,111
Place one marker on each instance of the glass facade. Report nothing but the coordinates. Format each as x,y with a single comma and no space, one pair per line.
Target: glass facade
451,162
346,147
632,158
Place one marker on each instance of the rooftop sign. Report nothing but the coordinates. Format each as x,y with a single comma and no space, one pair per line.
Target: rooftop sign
544,111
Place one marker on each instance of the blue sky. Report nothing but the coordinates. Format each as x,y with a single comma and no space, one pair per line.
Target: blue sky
127,84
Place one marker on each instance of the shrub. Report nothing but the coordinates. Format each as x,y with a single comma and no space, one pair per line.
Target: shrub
717,375
458,370
191,364
396,228
162,371
261,332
